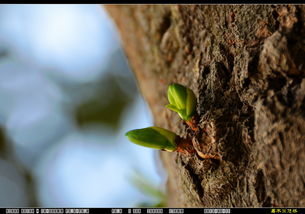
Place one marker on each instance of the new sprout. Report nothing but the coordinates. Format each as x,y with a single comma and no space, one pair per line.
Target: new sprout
154,137
159,138
183,101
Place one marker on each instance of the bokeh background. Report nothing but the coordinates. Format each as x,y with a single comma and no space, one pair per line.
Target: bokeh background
67,97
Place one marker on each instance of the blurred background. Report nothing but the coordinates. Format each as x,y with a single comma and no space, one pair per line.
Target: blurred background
67,97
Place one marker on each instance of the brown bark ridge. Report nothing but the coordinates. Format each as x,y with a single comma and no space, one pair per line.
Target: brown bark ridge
245,64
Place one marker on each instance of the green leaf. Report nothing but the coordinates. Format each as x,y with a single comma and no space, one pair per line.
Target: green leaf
182,100
170,96
170,136
177,95
172,107
183,115
153,137
190,103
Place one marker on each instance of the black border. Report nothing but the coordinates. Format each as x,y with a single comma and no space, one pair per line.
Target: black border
269,210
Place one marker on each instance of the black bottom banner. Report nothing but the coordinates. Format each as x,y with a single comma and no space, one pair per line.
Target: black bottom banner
150,210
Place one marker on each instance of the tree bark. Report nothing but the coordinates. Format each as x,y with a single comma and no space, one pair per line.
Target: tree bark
245,64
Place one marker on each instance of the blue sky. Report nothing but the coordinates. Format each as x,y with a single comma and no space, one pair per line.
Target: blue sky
51,46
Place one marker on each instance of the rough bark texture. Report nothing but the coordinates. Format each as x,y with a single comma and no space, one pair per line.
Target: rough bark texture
245,64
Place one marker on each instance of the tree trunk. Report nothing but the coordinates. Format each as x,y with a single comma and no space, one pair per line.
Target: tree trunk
245,64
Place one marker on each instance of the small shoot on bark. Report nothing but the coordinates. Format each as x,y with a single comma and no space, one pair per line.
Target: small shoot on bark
183,101
159,138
